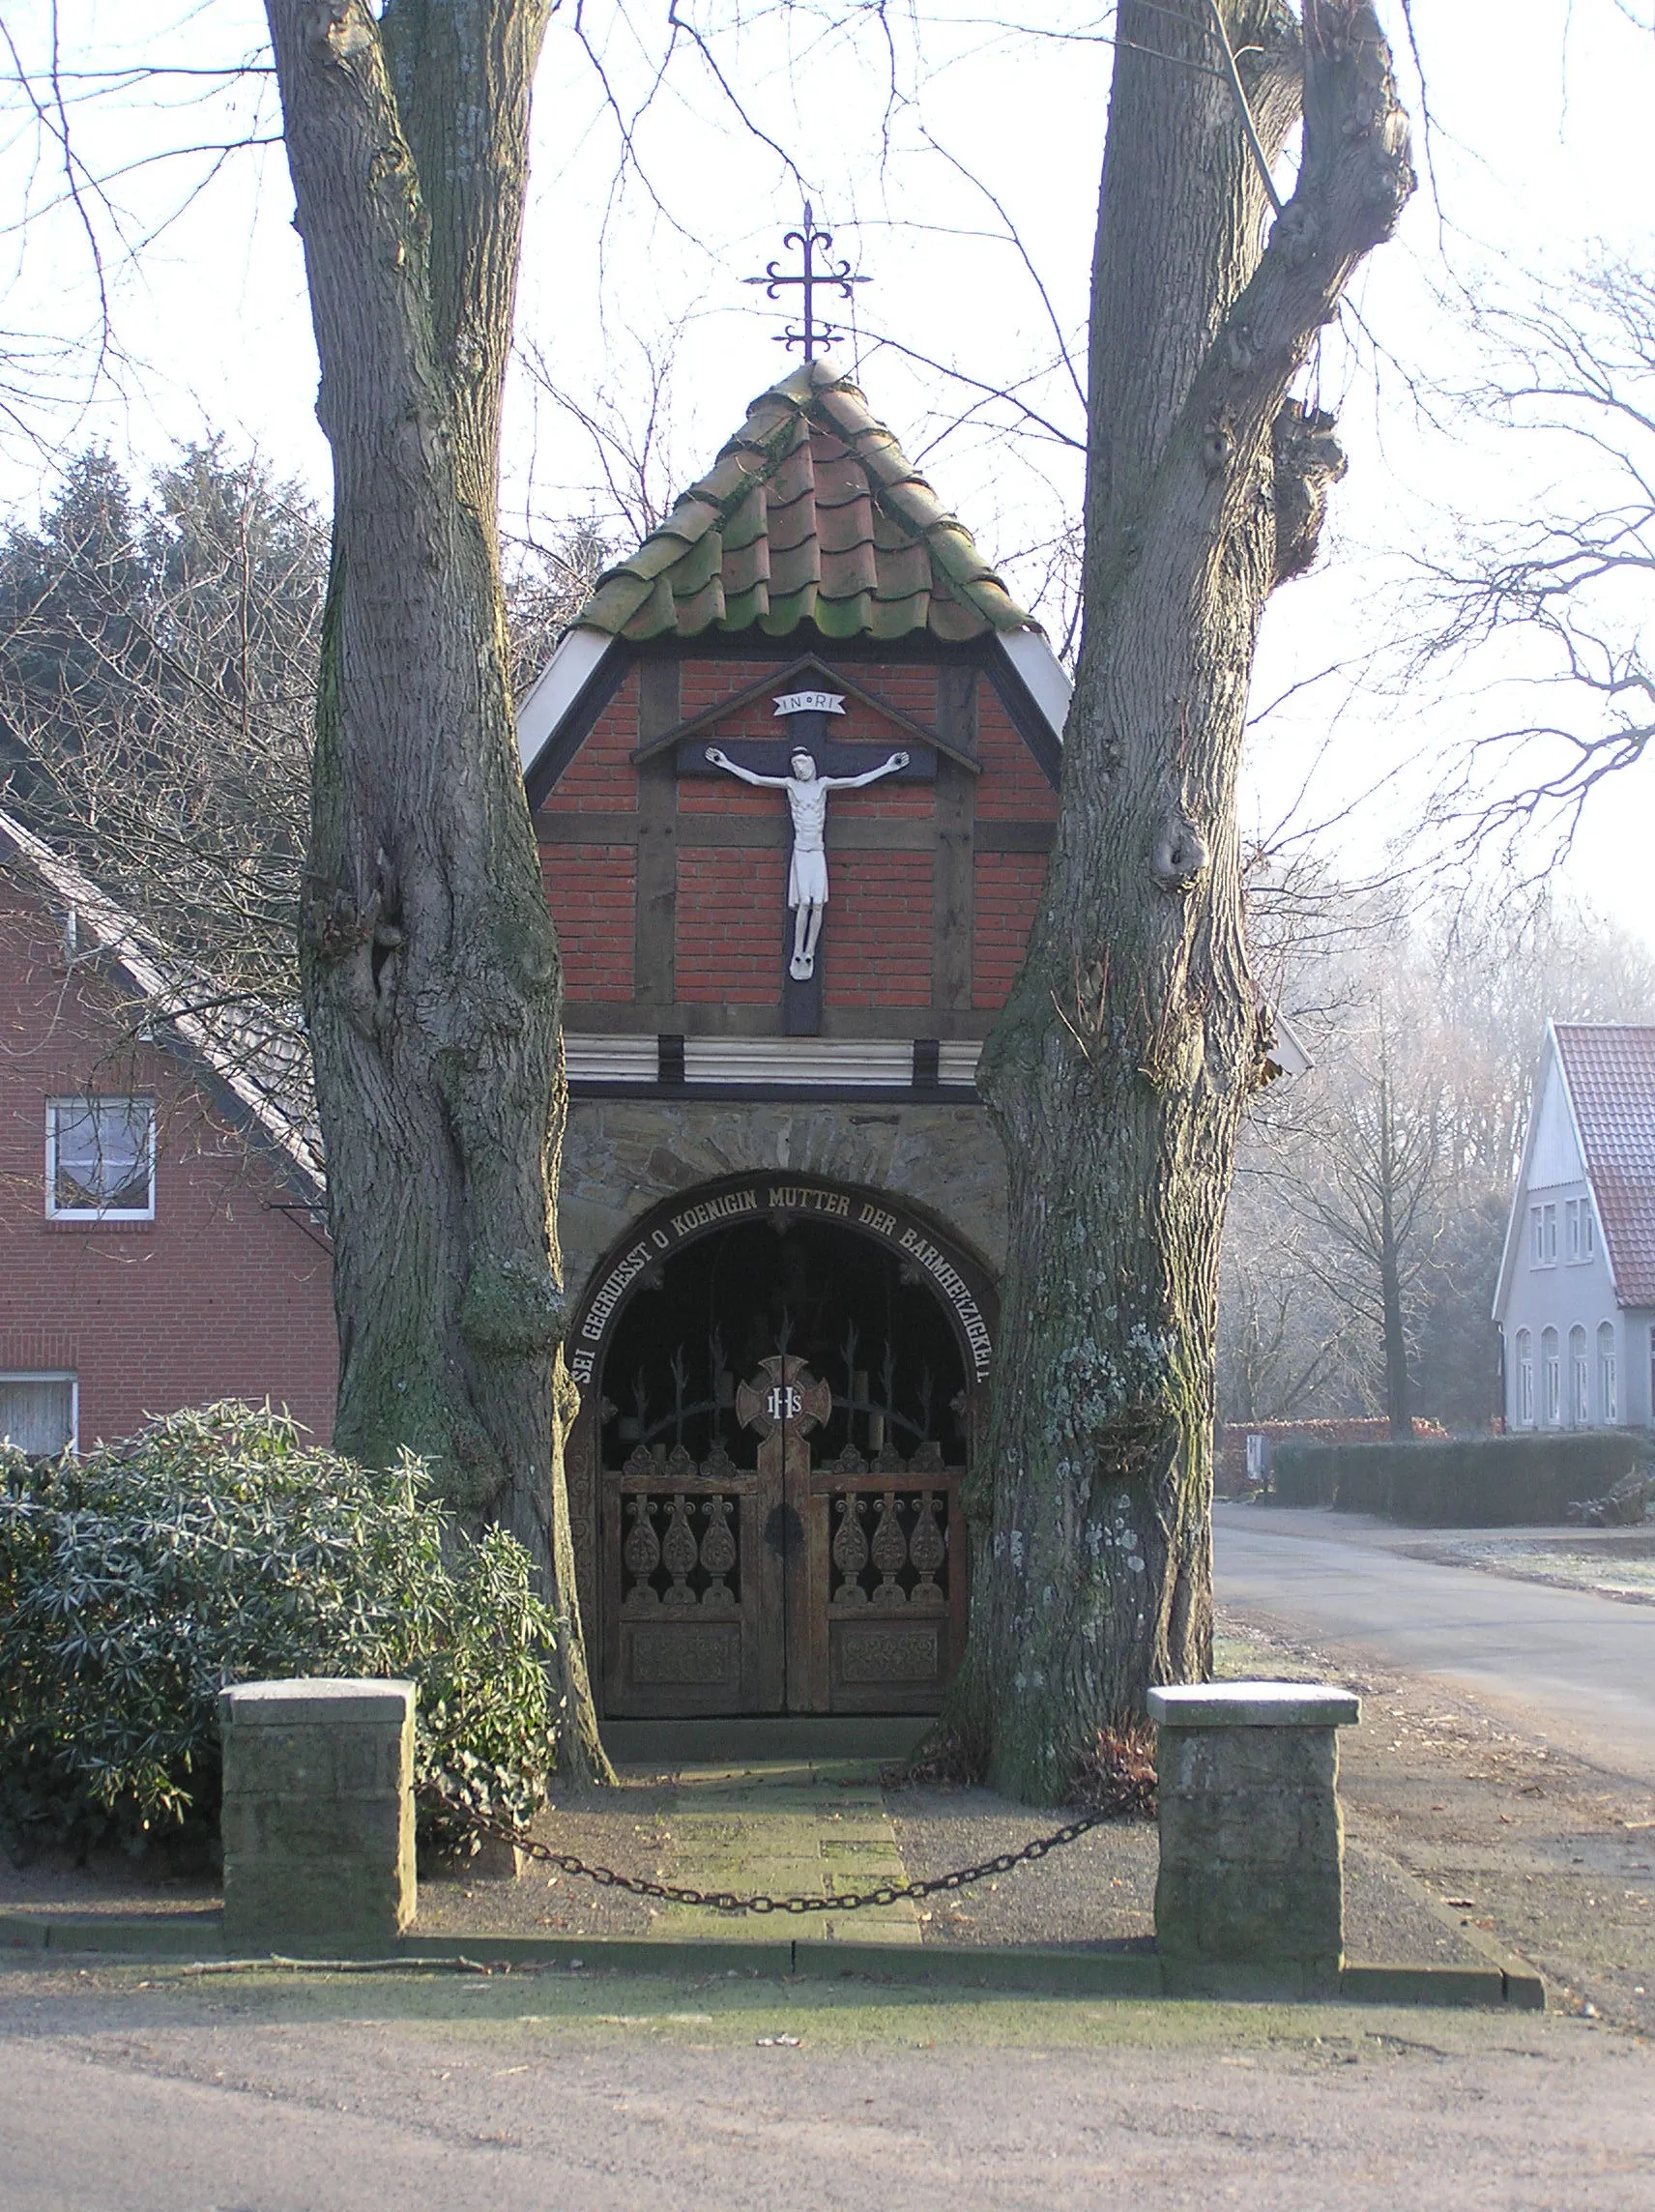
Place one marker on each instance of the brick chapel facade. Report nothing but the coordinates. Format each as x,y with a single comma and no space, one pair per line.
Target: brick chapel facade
783,1206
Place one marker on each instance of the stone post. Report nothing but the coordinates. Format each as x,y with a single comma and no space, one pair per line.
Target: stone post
318,1820
1251,1894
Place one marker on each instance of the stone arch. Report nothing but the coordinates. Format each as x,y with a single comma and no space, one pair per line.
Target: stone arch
908,1238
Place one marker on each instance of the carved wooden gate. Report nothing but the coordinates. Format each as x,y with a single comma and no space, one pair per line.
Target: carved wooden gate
790,1587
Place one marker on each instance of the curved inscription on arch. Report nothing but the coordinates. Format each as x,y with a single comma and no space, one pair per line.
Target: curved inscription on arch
958,1281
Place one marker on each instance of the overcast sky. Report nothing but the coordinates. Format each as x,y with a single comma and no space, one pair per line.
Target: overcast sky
1541,112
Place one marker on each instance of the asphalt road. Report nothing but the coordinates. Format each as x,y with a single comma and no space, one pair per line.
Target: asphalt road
1577,1667
145,2096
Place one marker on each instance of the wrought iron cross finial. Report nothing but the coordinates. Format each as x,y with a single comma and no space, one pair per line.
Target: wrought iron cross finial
828,274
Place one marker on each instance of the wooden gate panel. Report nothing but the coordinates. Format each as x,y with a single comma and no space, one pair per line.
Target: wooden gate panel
838,1588
692,1589
892,1582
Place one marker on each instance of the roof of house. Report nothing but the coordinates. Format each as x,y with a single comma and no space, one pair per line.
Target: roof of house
812,512
245,1067
1610,1071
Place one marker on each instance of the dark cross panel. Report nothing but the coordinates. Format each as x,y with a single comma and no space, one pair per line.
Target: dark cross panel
801,1003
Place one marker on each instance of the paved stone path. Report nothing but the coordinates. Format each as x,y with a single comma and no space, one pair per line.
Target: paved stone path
784,1828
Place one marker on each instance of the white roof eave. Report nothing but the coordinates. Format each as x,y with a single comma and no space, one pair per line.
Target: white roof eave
1042,674
555,691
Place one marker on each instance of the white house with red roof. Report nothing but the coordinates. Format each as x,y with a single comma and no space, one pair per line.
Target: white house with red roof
1576,1302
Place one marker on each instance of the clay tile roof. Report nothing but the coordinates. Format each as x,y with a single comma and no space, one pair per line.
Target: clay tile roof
1610,1071
812,512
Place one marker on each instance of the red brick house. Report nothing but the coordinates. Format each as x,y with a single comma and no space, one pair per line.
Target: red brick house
793,772
162,1238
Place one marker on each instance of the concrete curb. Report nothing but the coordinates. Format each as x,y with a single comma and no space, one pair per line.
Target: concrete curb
1129,1972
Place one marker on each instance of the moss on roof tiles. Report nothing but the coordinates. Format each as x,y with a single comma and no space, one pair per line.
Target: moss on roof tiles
811,512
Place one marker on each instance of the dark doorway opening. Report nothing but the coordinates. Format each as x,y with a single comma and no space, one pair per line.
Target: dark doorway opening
863,1320
783,1423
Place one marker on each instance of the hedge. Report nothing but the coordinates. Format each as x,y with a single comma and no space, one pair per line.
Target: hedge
214,1547
1469,1482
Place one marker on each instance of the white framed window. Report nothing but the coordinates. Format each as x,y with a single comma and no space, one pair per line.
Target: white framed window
1551,1378
1524,1399
1609,1378
1580,1236
100,1159
40,1414
1580,1379
1543,1235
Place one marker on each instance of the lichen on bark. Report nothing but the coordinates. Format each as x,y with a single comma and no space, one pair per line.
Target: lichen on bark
1118,1069
430,965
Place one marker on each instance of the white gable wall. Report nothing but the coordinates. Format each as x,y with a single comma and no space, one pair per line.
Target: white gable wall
1559,1291
1555,1156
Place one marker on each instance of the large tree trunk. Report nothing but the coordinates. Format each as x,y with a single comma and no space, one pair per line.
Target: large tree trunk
1118,1069
430,967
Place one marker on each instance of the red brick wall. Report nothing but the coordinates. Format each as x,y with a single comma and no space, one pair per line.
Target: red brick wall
589,889
1012,786
877,930
601,779
220,1295
730,906
731,915
1007,890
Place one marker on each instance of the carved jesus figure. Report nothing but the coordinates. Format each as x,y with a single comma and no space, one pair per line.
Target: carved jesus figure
807,803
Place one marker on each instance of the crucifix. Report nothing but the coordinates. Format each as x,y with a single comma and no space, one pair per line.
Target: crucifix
806,790
816,336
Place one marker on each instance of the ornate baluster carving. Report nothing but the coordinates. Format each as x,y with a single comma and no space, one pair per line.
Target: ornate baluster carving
851,1551
890,1554
927,1550
641,1552
719,1552
680,1551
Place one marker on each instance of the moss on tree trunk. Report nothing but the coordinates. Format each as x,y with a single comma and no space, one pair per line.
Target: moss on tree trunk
1121,1062
430,966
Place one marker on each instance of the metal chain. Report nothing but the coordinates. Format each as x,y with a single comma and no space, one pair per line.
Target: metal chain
725,1900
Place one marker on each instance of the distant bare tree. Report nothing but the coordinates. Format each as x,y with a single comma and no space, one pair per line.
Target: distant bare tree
1284,1345
1371,1199
1375,1195
1562,581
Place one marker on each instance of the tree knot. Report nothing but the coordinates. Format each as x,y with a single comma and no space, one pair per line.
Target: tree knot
1217,445
1309,460
512,1308
1297,233
339,29
1178,856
